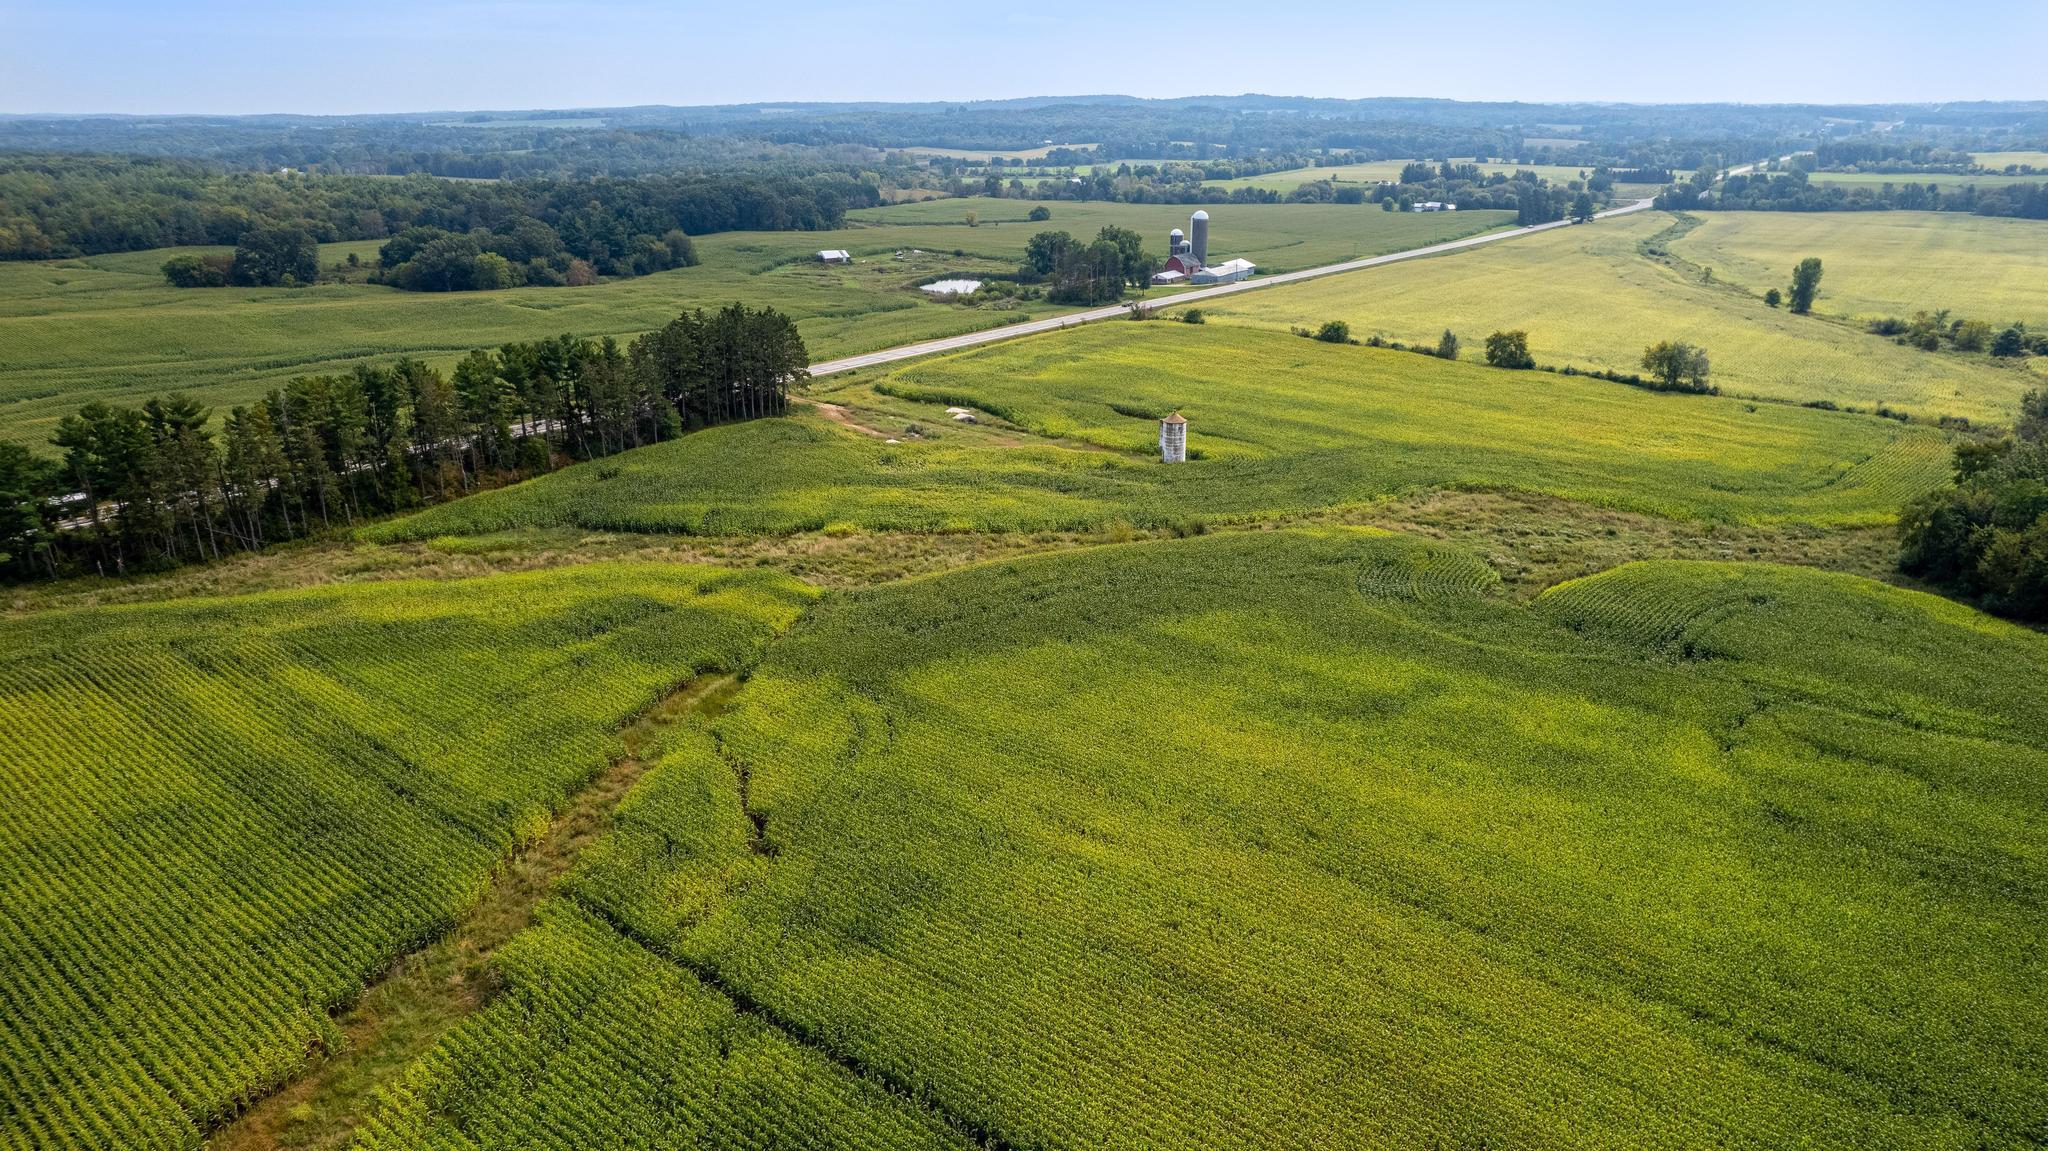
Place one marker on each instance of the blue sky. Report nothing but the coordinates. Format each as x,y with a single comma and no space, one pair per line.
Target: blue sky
421,55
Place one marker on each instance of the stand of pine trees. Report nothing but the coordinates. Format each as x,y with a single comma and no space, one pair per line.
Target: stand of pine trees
156,486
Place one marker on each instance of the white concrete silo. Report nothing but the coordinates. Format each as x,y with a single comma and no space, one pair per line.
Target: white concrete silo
1173,439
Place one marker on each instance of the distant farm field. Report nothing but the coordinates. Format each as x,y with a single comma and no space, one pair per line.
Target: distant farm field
2002,159
1281,425
225,816
1307,839
1947,181
1038,153
1591,296
1379,171
1886,263
108,328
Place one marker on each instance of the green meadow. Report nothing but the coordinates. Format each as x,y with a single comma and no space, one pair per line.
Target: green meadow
1885,263
108,328
1594,296
1281,425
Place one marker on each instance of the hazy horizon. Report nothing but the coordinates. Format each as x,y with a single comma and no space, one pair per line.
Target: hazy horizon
233,57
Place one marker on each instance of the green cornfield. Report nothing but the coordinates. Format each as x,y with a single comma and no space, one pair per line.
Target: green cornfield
223,816
1308,839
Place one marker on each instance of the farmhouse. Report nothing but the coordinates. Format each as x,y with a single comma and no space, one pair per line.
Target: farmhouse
835,256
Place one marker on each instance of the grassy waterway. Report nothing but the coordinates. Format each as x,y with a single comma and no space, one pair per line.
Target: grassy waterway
427,992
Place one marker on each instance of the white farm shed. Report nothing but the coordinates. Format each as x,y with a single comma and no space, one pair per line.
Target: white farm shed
1227,272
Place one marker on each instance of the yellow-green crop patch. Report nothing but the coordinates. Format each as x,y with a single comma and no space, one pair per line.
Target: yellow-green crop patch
1590,296
1280,424
1283,840
1885,263
223,816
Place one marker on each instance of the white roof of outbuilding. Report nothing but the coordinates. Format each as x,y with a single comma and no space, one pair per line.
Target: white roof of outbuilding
1231,266
834,254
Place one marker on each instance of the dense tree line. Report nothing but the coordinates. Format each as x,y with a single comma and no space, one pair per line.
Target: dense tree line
526,251
1987,537
1092,273
1795,192
160,485
62,206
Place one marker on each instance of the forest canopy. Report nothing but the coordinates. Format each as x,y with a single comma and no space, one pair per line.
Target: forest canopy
57,207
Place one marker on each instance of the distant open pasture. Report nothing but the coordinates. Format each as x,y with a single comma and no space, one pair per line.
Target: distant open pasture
2002,159
1946,181
1591,296
1885,263
1378,171
991,153
107,327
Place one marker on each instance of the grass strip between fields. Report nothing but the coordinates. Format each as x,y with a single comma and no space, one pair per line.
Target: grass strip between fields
430,990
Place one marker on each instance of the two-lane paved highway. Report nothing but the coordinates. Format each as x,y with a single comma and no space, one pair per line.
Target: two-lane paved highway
1053,323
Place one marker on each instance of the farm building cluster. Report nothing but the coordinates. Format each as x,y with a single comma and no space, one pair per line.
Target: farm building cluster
1187,257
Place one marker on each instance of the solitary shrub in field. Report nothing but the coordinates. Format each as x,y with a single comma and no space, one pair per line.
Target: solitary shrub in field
1773,298
1447,348
1509,350
1193,316
1677,367
1334,332
1039,214
1805,285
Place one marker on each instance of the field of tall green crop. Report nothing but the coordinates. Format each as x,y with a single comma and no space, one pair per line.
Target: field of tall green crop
223,816
108,328
1279,424
1592,296
596,1042
1309,839
1885,263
